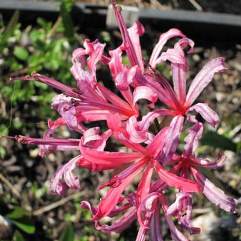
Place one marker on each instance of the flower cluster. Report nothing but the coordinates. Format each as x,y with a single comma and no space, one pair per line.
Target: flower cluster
153,158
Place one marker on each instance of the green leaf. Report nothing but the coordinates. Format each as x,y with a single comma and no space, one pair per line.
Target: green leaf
68,233
17,213
216,140
18,236
21,53
25,225
9,29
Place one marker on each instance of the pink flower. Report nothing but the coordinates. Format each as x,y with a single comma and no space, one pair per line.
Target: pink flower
151,160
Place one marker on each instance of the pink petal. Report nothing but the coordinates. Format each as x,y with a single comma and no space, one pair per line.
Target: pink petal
112,197
141,236
135,32
179,66
144,185
65,178
162,88
91,138
156,146
173,180
64,105
213,193
175,233
117,101
144,92
219,162
162,41
192,139
136,134
147,208
207,113
138,131
120,224
172,138
101,160
203,78
155,227
127,42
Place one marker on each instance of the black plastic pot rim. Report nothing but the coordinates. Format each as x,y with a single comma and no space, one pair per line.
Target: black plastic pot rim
223,24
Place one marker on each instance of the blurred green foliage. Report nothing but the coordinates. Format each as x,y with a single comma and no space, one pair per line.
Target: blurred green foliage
43,48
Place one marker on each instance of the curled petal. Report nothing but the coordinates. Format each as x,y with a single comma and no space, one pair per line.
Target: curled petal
207,113
175,233
120,224
64,105
192,139
203,78
144,92
65,178
213,193
94,50
87,205
182,208
135,32
172,33
147,208
136,134
219,162
179,66
92,138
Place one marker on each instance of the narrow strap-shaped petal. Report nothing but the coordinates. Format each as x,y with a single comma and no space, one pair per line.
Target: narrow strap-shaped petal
213,193
175,181
162,87
155,227
207,113
115,100
111,198
141,235
162,41
135,32
172,139
203,78
156,146
179,66
105,157
192,139
144,185
129,48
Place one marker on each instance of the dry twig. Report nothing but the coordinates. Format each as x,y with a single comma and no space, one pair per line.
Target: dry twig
54,205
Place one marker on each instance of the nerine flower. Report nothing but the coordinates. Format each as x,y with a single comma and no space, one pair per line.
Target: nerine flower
152,160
